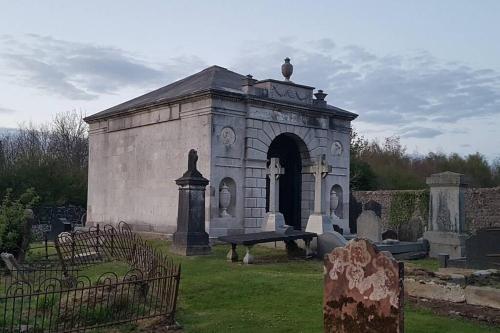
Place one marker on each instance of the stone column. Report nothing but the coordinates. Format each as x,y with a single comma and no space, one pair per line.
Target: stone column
191,238
446,226
319,222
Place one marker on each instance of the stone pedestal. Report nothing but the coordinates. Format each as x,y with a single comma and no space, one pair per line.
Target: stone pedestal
191,238
274,222
319,224
443,242
446,232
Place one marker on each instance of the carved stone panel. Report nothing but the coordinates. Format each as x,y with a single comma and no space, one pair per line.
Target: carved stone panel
227,136
363,290
337,148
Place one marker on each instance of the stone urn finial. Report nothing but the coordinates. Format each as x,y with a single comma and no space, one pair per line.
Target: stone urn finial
287,69
224,200
334,203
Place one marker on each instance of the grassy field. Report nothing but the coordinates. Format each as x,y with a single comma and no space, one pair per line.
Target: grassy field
274,295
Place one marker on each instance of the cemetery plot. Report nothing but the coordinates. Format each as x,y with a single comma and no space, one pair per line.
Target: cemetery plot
64,300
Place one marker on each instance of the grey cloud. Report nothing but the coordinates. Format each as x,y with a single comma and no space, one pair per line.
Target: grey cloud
392,89
83,71
419,132
6,110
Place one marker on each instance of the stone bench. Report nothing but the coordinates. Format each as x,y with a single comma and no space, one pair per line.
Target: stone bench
249,240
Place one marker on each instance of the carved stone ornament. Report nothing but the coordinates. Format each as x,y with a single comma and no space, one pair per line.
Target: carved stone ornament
227,136
289,93
224,200
334,203
287,69
337,148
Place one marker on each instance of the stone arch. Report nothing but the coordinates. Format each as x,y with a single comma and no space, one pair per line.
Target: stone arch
260,139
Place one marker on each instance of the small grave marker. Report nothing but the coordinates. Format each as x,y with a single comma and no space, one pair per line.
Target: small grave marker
369,226
363,290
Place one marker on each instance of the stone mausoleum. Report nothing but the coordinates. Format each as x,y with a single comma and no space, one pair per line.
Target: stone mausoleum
238,125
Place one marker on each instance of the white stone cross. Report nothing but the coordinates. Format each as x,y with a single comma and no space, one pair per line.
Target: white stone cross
274,171
320,170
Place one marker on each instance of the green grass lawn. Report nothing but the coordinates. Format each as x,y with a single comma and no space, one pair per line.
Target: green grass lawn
275,296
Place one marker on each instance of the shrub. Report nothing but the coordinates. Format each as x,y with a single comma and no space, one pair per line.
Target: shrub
13,220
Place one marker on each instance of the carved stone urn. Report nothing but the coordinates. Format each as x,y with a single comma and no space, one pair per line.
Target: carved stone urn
287,69
334,203
224,200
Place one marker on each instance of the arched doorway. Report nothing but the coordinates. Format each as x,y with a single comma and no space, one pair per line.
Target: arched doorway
285,147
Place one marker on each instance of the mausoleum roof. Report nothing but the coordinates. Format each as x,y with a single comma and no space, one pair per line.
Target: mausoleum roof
214,78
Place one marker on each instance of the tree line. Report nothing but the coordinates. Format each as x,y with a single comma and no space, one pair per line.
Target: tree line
52,159
388,166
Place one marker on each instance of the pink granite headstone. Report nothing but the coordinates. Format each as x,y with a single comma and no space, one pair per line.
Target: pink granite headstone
363,290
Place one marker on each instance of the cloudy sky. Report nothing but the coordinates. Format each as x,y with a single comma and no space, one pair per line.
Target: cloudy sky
425,70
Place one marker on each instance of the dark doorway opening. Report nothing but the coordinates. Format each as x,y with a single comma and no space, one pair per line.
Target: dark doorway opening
286,149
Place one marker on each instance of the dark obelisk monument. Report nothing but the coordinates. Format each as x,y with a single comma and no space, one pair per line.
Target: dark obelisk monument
190,239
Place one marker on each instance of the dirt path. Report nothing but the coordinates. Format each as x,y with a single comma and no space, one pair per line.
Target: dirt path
472,312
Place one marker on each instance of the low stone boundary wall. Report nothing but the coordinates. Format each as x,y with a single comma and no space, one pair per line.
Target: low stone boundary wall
482,206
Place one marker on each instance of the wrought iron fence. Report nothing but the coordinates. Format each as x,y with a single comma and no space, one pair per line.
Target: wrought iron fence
98,244
63,300
59,305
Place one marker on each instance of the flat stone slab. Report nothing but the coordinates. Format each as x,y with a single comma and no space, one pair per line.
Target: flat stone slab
267,237
250,240
402,247
431,290
484,296
455,270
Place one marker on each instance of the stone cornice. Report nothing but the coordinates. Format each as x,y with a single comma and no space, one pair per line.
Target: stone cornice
226,96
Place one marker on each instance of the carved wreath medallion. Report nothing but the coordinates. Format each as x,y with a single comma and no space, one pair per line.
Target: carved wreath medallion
227,136
337,148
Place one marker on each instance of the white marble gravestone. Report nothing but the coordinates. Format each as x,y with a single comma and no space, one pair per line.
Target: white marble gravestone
232,120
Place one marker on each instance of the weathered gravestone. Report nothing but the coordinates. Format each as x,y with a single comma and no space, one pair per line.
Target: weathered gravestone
191,238
369,226
483,249
389,234
412,230
363,290
373,206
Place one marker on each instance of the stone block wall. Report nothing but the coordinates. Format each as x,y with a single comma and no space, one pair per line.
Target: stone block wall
482,206
359,198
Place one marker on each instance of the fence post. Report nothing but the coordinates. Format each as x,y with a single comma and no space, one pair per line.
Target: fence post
98,240
113,242
72,248
46,240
